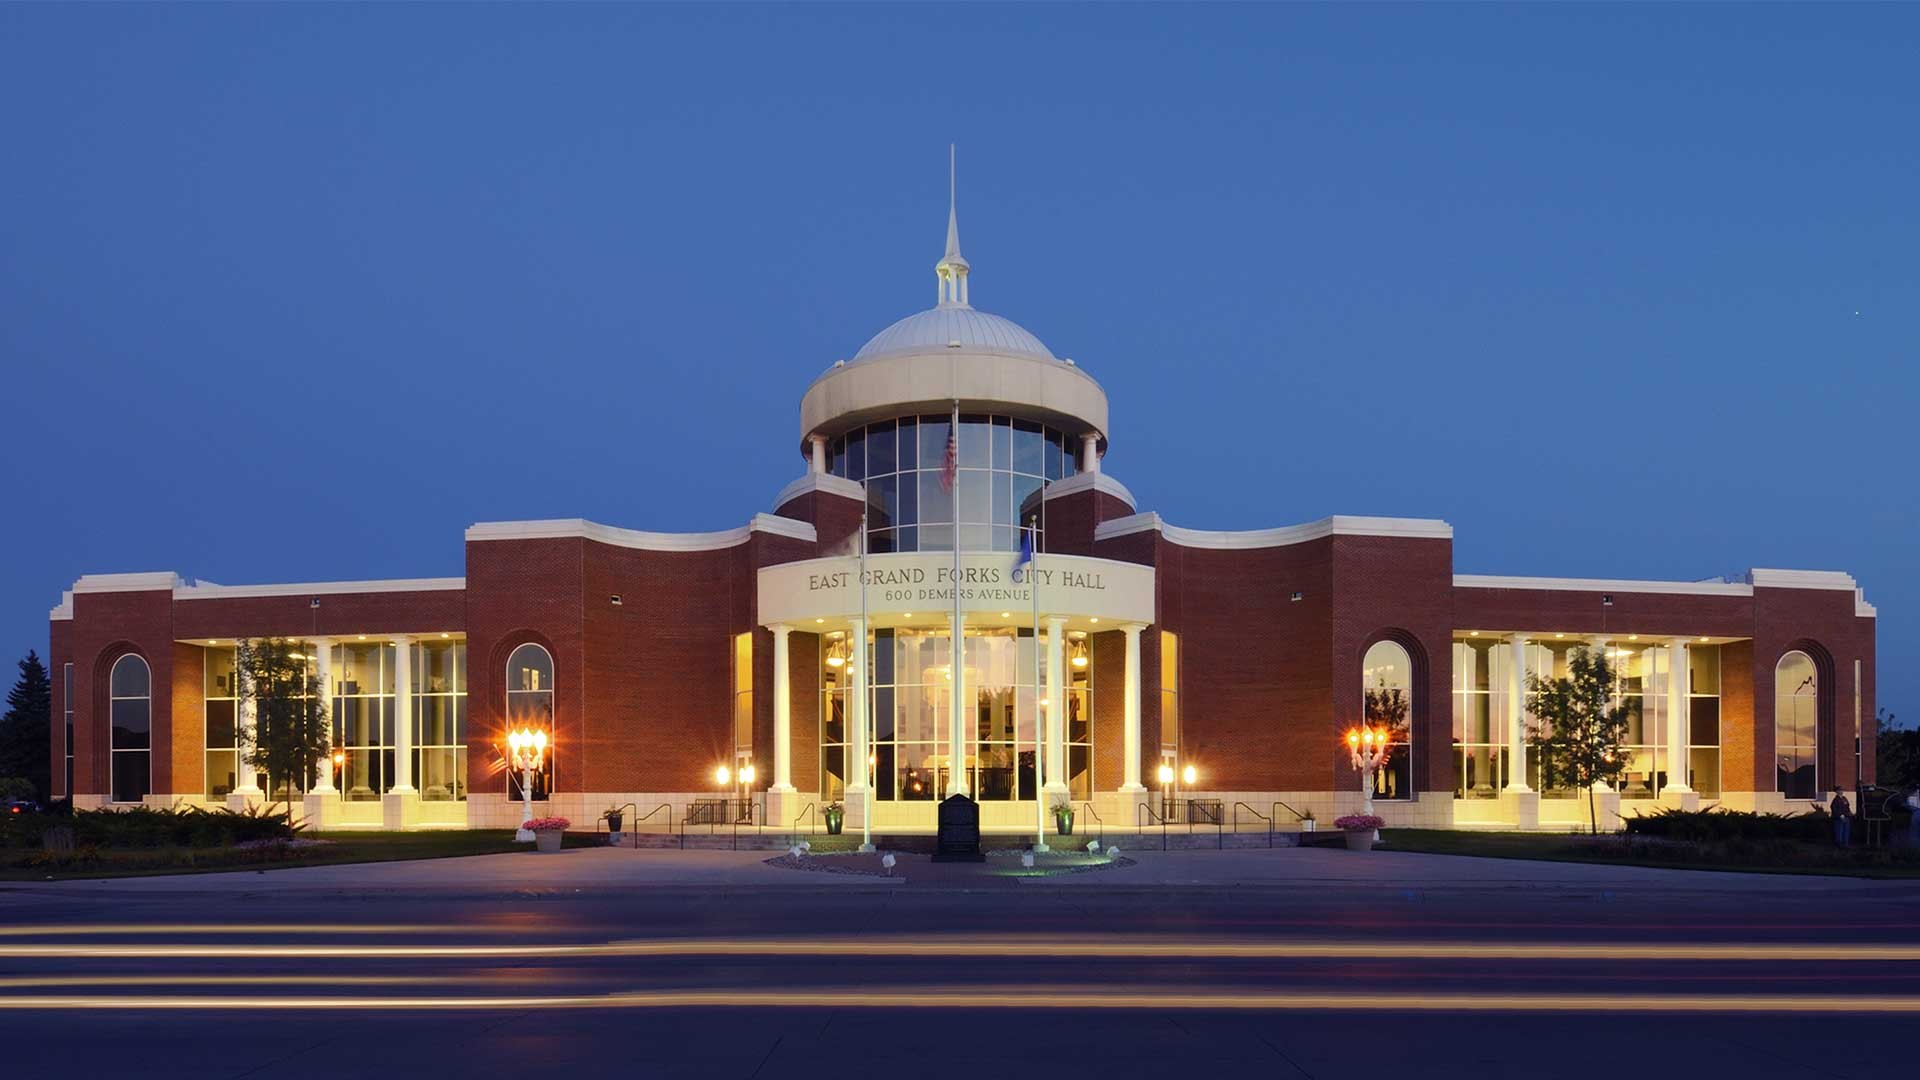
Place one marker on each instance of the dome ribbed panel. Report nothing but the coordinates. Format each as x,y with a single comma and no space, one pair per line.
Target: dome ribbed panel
936,328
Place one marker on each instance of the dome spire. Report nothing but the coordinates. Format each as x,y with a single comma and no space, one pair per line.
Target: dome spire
952,267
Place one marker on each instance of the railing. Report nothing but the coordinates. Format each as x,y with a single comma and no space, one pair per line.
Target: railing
1146,811
806,813
713,813
607,820
1239,806
1098,823
1279,806
648,816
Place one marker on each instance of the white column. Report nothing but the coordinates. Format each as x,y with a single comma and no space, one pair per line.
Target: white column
1090,452
1131,742
818,463
402,717
248,781
1056,711
1517,715
959,712
1678,714
856,766
782,713
323,680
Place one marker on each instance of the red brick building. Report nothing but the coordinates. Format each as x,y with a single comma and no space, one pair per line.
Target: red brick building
1127,660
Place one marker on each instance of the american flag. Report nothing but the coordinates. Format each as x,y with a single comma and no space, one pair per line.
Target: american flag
949,468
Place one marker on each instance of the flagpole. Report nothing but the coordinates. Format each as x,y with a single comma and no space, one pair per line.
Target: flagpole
1039,732
866,687
957,768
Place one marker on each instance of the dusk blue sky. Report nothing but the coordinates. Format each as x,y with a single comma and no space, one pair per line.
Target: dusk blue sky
295,293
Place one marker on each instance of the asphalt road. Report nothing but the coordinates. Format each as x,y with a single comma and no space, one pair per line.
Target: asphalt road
570,976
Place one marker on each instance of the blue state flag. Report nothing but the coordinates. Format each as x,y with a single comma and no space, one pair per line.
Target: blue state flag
1026,550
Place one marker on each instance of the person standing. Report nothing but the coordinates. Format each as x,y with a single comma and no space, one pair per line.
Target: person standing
1842,812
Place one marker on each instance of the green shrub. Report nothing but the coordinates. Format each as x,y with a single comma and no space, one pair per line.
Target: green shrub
1719,825
145,827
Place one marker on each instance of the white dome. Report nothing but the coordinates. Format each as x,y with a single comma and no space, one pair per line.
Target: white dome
940,327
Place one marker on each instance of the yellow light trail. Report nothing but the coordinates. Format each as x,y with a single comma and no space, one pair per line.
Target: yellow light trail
124,929
245,980
995,947
1055,998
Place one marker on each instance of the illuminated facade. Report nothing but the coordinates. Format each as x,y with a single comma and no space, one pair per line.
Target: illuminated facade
1150,654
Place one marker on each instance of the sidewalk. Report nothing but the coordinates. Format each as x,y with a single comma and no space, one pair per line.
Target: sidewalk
1316,869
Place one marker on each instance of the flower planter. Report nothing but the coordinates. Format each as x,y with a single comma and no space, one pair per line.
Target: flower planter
834,822
1308,825
547,841
1359,839
1063,824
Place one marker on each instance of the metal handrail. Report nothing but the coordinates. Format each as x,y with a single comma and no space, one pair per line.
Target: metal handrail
1147,809
648,816
1236,820
1277,805
806,812
1098,821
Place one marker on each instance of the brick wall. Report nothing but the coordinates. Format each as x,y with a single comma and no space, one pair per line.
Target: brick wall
59,654
1402,588
186,748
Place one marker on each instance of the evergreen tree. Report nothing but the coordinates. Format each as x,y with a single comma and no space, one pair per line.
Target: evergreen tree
26,731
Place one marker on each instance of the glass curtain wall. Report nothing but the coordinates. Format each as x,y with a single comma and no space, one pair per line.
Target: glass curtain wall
530,706
363,675
1482,713
1001,463
1169,706
1640,674
1386,681
439,719
130,704
912,688
1796,696
220,723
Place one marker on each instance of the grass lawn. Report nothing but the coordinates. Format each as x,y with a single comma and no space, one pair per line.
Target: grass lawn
1772,858
344,847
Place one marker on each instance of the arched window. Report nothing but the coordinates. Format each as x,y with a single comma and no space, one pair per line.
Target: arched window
1796,699
130,701
530,706
1386,688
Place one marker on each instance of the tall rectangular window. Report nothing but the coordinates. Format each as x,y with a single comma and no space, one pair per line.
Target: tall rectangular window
743,696
221,699
363,674
1703,719
440,719
66,709
1170,699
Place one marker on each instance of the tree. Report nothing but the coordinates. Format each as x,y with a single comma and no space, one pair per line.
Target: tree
1581,733
1896,754
290,736
26,731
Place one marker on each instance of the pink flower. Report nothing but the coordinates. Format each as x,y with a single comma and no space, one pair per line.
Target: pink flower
548,824
1360,821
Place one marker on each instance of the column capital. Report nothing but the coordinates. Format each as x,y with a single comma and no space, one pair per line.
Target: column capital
780,629
322,640
1055,622
1132,627
400,639
1679,642
1518,639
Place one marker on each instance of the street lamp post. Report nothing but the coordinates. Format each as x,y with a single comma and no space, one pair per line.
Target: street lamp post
526,747
1368,749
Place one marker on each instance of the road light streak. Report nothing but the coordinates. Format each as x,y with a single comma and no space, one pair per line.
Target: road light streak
122,929
1087,948
1155,998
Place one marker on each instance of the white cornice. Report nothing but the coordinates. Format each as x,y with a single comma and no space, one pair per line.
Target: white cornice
206,590
63,610
1688,588
580,528
1860,606
813,481
1090,481
1802,579
1338,525
103,583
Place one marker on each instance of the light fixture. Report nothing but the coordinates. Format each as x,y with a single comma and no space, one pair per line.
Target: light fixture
1188,775
746,773
1006,614
1560,635
819,620
363,637
1473,633
1703,639
1633,637
1297,596
908,615
213,641
1166,774
446,635
722,775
